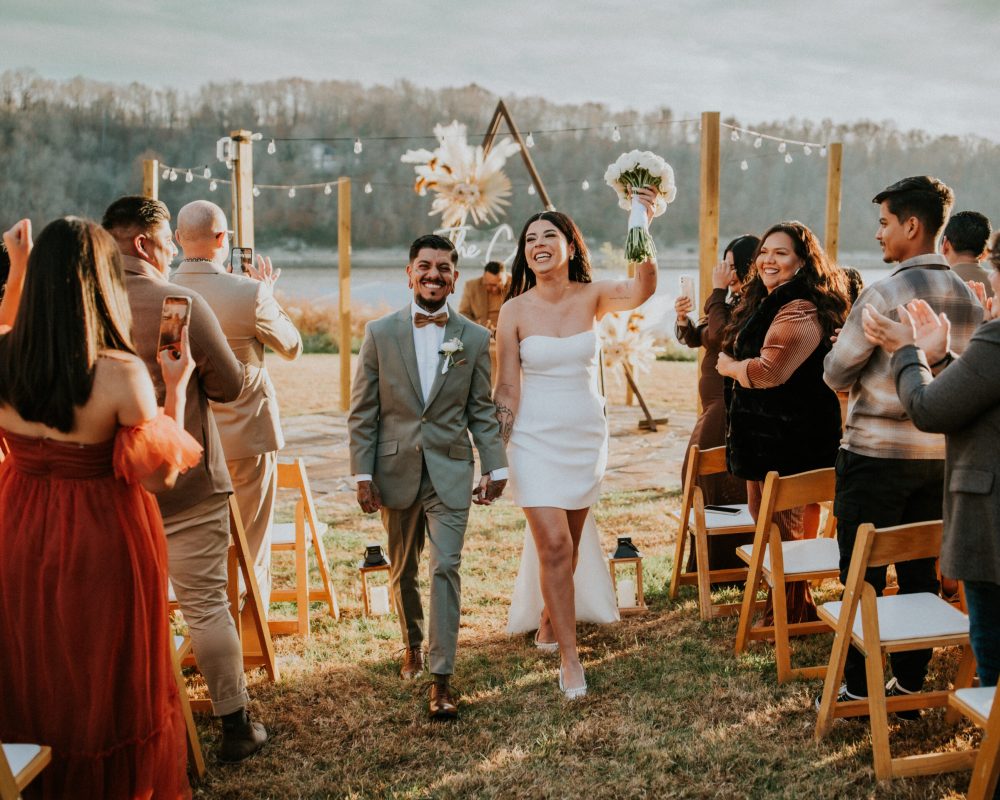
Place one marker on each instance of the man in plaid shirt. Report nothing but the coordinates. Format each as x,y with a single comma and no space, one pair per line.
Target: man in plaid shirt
888,472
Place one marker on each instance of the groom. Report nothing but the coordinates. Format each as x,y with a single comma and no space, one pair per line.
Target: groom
422,385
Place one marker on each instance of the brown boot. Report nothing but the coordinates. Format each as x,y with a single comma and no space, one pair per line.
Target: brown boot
413,663
241,738
443,703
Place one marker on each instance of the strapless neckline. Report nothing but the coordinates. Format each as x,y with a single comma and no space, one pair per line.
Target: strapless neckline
543,336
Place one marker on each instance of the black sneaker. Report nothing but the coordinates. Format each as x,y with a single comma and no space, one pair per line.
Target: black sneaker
843,696
893,689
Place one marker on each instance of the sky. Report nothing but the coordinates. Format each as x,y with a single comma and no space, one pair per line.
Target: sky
918,63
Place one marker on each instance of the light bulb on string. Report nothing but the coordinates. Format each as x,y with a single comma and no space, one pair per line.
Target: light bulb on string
271,147
207,173
368,188
585,185
531,188
758,142
213,186
173,174
189,177
735,135
328,189
166,173
788,158
616,135
744,165
291,192
807,150
529,140
256,192
358,147
822,151
782,147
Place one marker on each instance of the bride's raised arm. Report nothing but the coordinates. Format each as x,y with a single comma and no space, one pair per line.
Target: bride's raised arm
630,293
507,392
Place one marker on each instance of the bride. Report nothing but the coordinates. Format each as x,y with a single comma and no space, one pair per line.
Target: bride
550,412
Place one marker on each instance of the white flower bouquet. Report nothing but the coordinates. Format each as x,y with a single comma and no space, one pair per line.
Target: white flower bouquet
641,169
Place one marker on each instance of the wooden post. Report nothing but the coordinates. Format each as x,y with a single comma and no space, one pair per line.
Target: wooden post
344,279
150,178
242,188
835,157
501,114
708,212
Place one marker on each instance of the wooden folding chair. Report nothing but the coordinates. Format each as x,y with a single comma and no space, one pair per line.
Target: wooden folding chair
980,706
291,537
698,524
775,563
180,646
893,624
19,766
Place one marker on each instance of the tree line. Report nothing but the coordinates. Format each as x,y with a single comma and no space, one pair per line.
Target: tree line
70,147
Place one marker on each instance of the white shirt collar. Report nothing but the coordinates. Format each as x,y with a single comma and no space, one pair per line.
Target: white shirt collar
415,309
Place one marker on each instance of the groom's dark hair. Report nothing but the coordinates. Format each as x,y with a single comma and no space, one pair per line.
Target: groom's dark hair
434,242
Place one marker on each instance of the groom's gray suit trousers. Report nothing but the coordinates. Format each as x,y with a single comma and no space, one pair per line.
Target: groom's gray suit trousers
430,520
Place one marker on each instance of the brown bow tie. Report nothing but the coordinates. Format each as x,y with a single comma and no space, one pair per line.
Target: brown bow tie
426,319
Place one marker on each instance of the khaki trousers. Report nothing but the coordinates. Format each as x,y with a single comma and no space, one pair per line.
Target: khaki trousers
197,546
255,484
430,520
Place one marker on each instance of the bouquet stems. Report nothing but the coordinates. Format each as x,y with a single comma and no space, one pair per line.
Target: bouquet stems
639,246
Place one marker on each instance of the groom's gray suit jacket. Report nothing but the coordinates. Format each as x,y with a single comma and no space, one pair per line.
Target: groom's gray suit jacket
393,432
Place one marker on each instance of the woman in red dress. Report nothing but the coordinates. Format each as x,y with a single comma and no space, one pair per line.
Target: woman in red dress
85,665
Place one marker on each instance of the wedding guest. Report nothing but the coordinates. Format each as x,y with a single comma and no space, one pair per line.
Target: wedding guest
889,472
420,389
964,243
958,396
781,415
710,427
84,625
551,414
196,511
251,319
481,300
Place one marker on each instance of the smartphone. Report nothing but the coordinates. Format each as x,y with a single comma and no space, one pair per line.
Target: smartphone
723,509
687,287
241,257
174,318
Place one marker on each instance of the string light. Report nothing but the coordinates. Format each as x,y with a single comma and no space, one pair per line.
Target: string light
744,165
271,147
358,147
735,135
788,158
782,147
256,192
173,174
585,185
213,186
531,188
166,173
807,150
822,151
291,192
616,135
328,189
758,143
189,177
368,188
529,140
207,173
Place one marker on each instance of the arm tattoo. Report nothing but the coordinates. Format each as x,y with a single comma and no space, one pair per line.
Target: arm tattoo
505,417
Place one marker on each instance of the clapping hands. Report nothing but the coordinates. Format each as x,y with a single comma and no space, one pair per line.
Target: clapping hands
918,325
990,308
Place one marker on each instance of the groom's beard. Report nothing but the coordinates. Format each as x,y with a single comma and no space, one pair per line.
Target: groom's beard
429,305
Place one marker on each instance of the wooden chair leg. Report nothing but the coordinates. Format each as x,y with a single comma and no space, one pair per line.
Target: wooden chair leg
754,581
324,568
194,743
675,575
254,601
963,680
782,646
704,580
986,769
301,573
877,714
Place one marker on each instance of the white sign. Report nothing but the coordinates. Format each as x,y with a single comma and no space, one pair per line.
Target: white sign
458,236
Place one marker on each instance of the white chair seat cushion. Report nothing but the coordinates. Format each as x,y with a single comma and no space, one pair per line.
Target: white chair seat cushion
283,533
20,755
178,642
171,595
716,519
803,556
980,699
910,616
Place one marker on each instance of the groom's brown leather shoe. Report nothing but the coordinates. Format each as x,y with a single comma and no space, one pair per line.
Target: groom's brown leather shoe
413,663
443,703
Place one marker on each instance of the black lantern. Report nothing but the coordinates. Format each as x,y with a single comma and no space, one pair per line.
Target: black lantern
626,549
375,557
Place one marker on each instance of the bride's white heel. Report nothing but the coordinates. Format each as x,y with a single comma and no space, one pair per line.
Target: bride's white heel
546,647
575,693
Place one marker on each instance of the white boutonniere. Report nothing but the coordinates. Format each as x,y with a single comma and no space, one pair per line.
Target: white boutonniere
448,350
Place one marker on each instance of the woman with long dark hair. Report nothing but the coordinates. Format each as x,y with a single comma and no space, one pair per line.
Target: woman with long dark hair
782,416
550,411
85,659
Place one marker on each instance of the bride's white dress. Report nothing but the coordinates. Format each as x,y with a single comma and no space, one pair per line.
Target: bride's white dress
558,451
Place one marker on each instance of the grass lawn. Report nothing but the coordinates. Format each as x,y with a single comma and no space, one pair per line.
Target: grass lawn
671,711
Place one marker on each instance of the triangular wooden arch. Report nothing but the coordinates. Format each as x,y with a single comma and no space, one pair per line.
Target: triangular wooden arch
503,115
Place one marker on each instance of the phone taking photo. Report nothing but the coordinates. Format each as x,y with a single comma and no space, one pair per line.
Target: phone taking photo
242,258
174,318
687,287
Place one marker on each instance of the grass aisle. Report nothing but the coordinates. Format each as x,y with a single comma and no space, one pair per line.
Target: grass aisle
671,711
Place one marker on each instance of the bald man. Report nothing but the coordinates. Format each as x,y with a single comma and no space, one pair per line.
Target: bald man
250,427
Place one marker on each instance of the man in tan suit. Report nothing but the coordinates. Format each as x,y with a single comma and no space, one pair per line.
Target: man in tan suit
196,511
964,243
421,387
481,301
249,426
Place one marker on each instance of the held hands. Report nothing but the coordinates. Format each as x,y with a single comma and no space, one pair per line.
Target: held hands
683,305
368,497
176,366
487,491
19,244
264,272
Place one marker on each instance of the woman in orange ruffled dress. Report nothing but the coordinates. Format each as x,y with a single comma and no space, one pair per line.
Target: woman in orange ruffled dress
85,665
